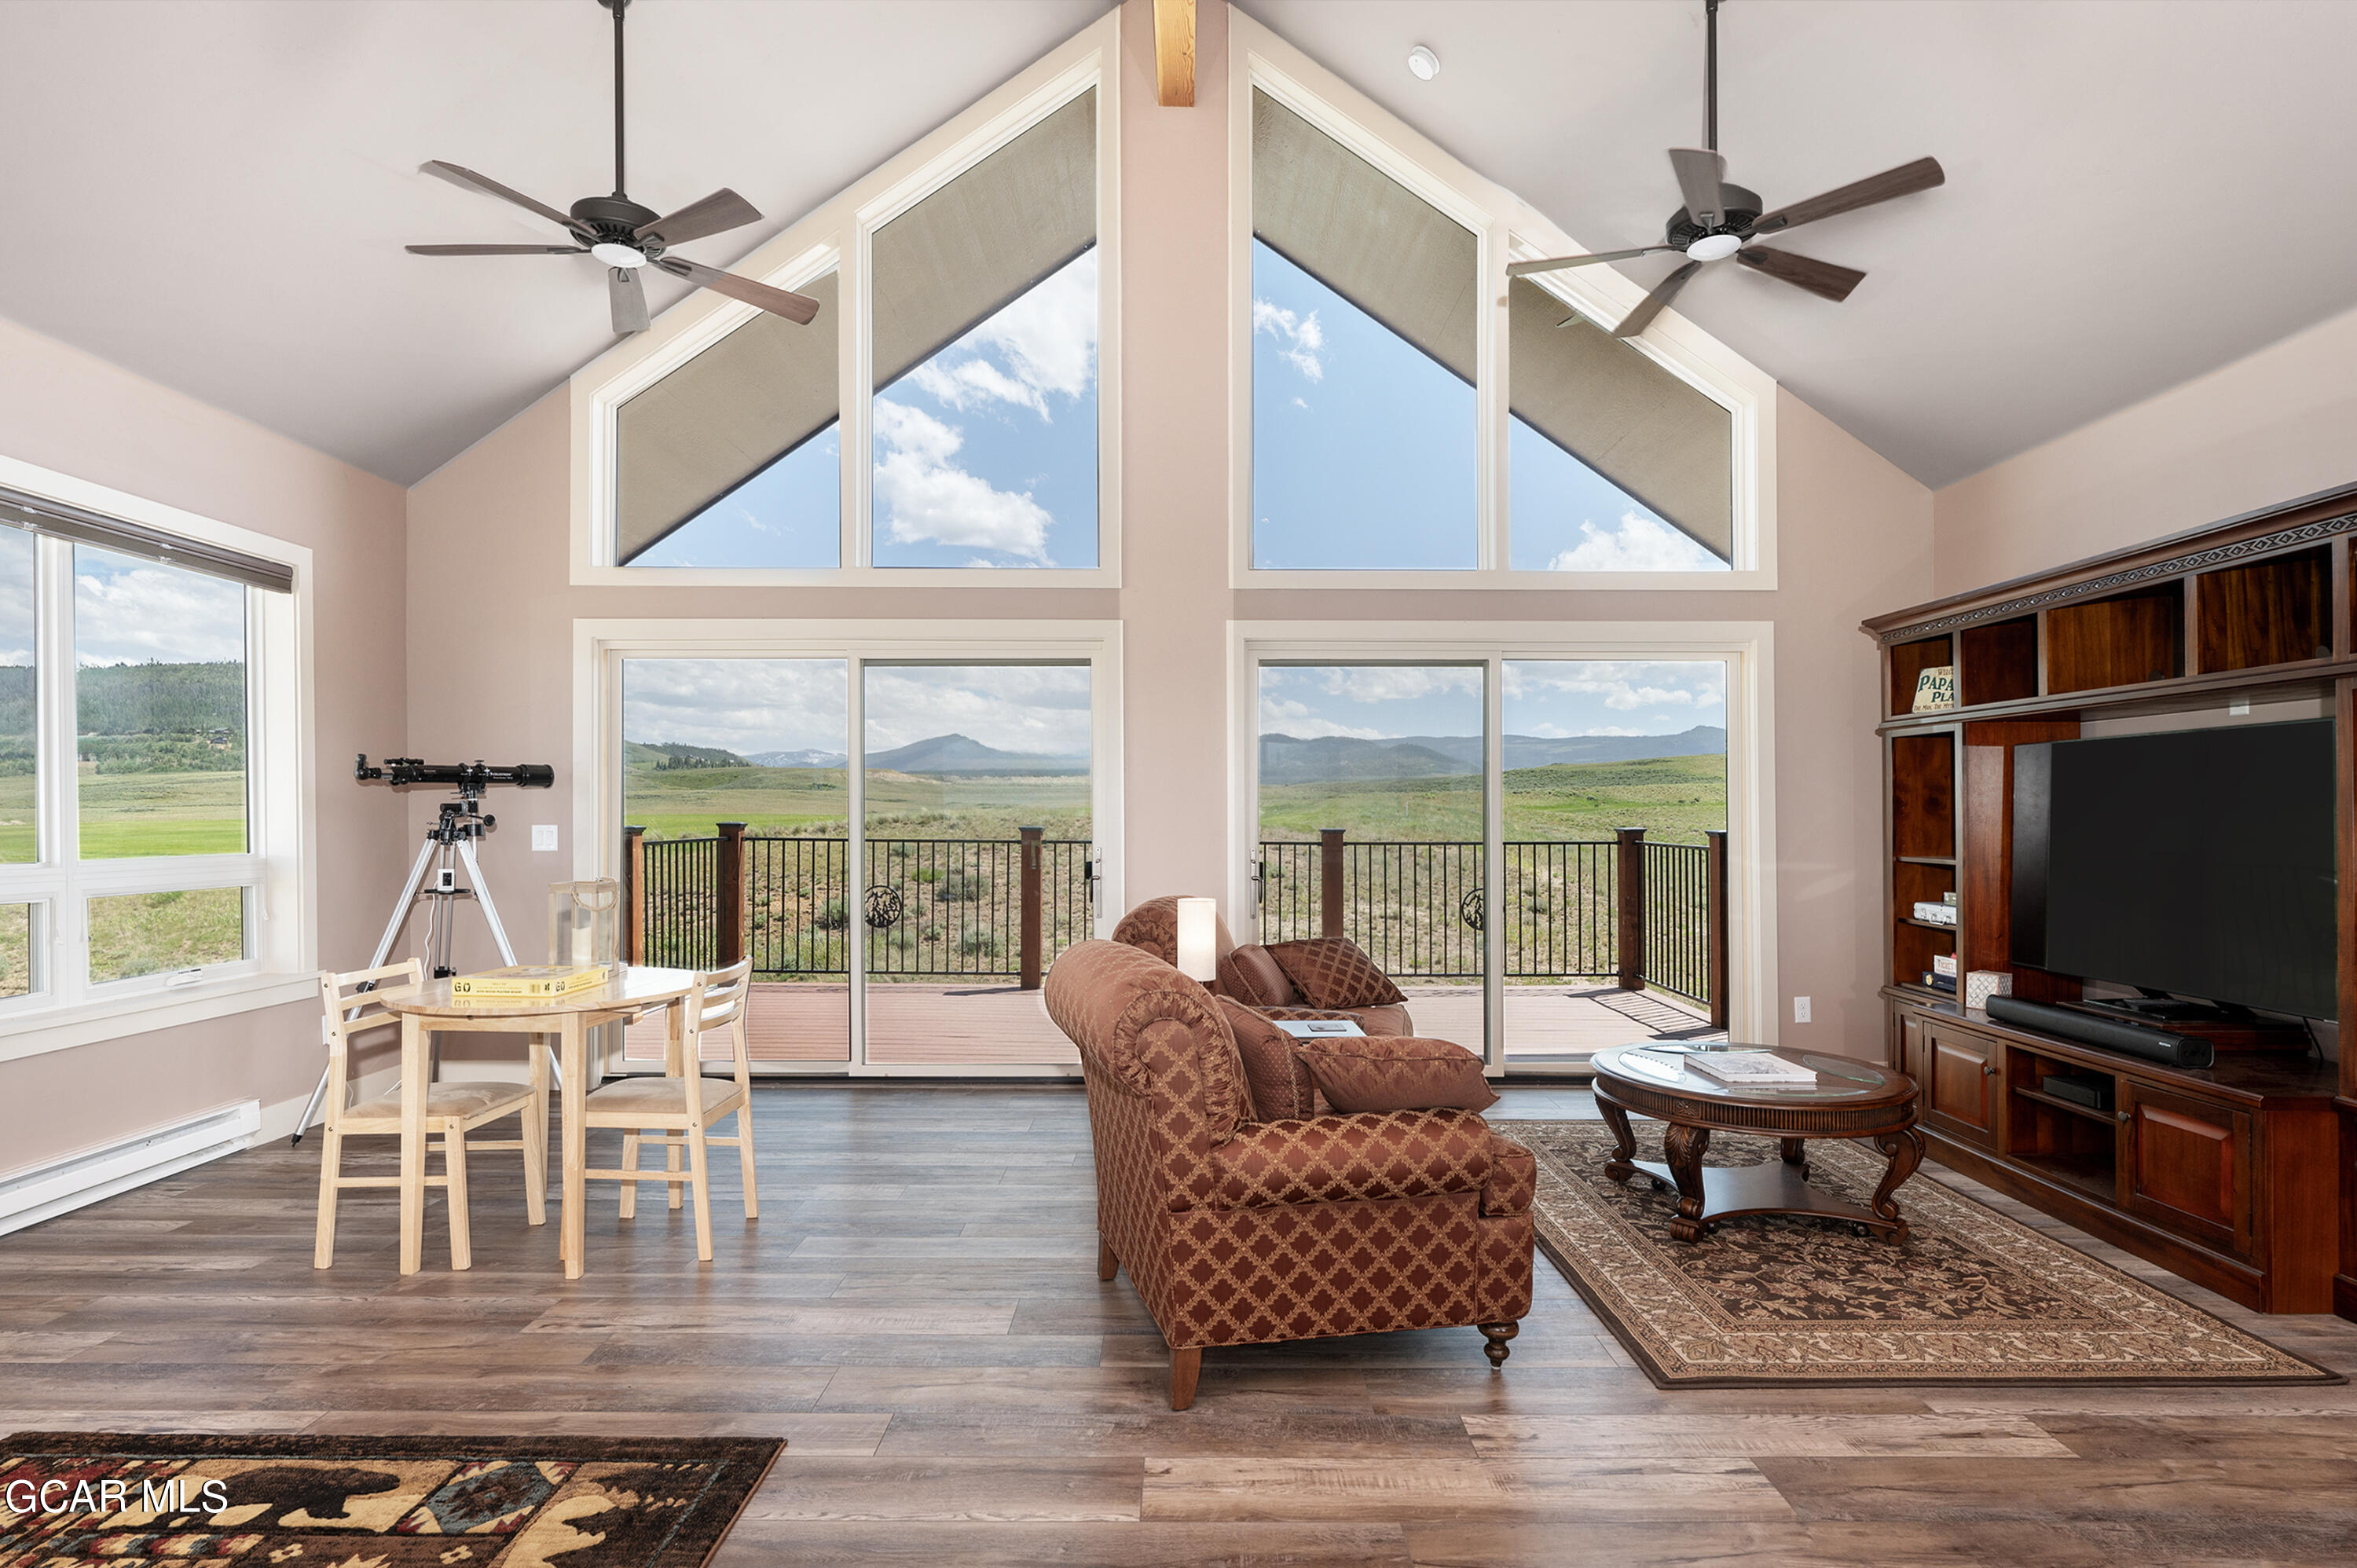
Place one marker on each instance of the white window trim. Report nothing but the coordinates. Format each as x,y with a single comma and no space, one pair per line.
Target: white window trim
600,647
1506,228
279,870
1747,649
837,236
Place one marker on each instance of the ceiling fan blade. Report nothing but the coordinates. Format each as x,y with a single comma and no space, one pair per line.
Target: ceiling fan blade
1524,269
1904,180
777,301
627,296
1824,279
716,213
467,179
1649,306
497,249
1700,174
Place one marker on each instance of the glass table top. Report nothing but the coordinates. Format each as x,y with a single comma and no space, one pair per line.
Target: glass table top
1667,1066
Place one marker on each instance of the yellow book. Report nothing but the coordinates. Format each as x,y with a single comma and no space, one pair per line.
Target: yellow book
532,981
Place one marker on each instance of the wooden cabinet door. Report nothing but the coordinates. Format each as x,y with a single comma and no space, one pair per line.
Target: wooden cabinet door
1962,1091
2186,1163
1905,1044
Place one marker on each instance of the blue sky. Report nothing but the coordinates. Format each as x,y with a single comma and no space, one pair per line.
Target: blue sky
1542,697
129,611
985,455
749,705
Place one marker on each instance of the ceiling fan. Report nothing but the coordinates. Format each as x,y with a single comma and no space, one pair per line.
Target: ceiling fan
1719,219
628,237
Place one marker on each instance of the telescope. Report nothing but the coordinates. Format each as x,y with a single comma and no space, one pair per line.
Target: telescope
469,779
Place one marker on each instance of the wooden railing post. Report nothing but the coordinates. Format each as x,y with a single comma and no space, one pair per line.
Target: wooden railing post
730,892
634,894
1330,881
1714,899
1628,894
1031,945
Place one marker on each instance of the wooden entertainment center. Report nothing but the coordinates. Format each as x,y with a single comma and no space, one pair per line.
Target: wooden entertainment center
2241,1177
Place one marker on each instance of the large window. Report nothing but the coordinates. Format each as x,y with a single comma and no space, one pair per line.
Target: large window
130,851
977,308
1417,411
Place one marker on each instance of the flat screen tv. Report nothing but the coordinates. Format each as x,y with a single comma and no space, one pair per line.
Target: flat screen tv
2200,862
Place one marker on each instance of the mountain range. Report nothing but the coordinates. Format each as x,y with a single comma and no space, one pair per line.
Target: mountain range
1289,759
938,754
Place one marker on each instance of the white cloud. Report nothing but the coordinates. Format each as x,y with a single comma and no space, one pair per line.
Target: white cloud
1036,708
128,612
748,706
925,497
1047,339
1641,543
1298,337
1280,717
1613,729
1393,684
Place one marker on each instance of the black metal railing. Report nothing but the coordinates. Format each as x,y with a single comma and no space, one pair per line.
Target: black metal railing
1677,919
1559,898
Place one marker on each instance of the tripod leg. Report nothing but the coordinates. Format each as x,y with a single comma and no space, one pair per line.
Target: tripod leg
400,907
483,897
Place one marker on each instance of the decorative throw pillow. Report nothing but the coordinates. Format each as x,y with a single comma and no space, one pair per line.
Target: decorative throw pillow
1278,1080
1253,978
1333,972
1400,1074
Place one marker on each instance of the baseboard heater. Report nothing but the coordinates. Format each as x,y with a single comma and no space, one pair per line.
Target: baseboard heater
42,1192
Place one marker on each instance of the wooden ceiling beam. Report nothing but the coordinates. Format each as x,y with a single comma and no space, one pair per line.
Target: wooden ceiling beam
1174,52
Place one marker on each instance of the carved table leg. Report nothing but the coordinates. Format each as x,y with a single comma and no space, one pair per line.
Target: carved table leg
1497,1349
1905,1149
1796,1153
1624,1142
1684,1145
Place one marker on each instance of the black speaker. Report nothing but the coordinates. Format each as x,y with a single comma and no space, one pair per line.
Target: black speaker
2128,1039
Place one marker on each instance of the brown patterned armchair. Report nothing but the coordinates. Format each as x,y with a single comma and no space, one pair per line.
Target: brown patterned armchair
1154,926
1239,1231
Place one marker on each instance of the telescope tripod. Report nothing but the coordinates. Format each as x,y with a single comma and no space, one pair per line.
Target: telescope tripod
450,847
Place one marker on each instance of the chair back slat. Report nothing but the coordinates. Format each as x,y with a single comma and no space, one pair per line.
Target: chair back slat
718,1003
350,1011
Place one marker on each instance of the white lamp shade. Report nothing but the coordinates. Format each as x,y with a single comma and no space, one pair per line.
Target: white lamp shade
1199,921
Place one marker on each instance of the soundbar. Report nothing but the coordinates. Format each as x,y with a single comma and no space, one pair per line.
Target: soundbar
2128,1039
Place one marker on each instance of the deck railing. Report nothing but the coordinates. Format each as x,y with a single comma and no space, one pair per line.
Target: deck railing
1627,909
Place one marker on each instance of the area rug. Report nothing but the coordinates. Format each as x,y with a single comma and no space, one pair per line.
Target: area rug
108,1499
1770,1302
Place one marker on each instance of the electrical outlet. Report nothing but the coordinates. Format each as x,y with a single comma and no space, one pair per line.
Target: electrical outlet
543,836
1800,1009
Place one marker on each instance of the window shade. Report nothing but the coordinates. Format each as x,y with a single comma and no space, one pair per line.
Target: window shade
1624,417
1364,235
721,418
61,520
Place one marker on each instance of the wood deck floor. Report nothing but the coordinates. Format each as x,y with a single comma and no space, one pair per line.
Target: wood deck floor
981,1024
917,1312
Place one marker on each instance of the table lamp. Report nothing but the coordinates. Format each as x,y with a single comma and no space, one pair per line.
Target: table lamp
1198,923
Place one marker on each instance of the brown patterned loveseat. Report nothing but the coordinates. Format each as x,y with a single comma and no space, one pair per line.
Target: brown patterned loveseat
1154,926
1238,1232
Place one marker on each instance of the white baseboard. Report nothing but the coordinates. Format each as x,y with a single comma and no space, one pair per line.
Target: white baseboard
69,1182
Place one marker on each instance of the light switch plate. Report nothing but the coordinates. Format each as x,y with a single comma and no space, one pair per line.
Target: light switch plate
543,836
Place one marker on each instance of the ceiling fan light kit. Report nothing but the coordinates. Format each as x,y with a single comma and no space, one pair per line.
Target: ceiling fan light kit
1720,220
627,236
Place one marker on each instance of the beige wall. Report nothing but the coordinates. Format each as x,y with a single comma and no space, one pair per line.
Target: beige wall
489,646
65,410
2271,426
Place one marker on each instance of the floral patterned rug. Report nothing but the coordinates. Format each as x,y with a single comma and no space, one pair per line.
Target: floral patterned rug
1770,1301
104,1499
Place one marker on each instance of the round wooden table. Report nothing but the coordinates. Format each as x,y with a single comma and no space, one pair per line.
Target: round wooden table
1853,1099
430,1008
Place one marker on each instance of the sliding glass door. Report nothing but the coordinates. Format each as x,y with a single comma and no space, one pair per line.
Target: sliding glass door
977,861
1373,824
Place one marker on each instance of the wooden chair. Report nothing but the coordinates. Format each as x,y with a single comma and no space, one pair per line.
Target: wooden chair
675,1110
452,1110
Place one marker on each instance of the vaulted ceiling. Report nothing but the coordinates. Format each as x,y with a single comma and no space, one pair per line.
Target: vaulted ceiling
2138,190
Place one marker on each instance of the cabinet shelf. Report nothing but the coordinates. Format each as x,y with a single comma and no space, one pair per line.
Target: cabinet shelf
1926,859
2094,1174
1926,925
2071,1107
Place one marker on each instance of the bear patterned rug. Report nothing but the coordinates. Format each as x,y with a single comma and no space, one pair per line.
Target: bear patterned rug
1771,1301
110,1499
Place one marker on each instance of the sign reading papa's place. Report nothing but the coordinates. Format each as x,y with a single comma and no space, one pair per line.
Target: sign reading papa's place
1935,688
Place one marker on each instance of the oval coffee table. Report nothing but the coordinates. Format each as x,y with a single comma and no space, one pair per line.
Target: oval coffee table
1853,1099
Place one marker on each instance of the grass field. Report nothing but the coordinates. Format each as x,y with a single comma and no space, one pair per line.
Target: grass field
125,815
816,802
1675,797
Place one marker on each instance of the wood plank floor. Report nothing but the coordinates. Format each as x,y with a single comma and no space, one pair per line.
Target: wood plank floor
916,1312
